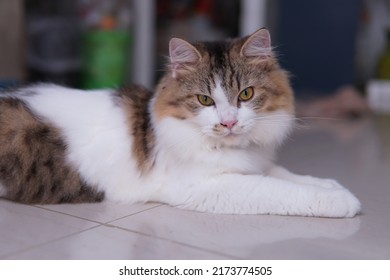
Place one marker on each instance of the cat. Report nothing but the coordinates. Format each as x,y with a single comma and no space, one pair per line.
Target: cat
204,141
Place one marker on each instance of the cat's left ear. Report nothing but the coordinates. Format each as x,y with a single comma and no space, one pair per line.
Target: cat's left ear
183,55
258,45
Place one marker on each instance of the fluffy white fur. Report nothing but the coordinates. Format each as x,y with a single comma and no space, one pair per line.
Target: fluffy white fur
213,173
225,111
192,169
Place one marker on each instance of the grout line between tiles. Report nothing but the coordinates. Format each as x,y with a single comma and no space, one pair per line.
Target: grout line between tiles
175,242
94,221
107,224
151,208
9,255
48,242
98,224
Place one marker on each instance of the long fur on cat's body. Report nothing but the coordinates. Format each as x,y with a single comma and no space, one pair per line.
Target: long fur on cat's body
204,141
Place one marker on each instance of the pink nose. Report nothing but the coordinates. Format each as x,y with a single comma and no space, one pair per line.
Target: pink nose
228,124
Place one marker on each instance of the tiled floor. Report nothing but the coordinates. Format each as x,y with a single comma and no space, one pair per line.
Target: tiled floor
356,153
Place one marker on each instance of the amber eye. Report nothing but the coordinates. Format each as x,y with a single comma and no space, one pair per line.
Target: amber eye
246,94
205,100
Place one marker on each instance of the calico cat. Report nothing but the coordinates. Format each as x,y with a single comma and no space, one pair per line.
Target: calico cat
204,141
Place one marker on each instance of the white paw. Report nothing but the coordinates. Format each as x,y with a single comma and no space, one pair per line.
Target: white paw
336,203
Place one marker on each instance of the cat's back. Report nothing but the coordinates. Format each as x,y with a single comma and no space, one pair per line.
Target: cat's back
61,104
78,115
68,138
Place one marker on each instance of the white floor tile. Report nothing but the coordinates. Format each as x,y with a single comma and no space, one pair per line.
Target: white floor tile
23,226
239,236
112,243
100,212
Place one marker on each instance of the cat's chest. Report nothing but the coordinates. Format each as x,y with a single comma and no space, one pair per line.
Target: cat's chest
243,161
219,161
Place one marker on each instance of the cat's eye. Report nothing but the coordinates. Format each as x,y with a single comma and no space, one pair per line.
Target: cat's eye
246,94
205,100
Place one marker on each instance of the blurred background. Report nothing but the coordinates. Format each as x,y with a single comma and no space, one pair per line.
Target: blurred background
335,53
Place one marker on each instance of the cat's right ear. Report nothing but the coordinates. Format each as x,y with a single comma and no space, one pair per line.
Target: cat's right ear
183,56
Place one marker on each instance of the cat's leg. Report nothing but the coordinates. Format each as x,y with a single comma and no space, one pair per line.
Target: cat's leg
284,174
255,194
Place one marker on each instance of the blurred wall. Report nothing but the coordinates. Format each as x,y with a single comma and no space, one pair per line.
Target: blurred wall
317,41
11,42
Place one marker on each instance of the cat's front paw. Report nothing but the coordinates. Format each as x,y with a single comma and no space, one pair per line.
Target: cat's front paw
337,203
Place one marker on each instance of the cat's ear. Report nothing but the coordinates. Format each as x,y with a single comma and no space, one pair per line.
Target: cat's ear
257,45
182,55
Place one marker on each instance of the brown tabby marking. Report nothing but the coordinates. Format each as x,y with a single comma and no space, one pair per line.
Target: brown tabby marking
277,93
174,101
32,160
135,100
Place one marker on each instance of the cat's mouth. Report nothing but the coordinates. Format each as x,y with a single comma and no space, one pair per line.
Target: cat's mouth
233,132
231,135
231,139
227,135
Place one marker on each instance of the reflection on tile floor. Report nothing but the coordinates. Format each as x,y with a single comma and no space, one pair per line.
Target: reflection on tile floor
355,153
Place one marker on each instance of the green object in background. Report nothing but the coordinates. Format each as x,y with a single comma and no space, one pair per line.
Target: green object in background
106,58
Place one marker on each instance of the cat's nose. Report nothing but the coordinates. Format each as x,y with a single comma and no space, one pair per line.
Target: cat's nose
229,124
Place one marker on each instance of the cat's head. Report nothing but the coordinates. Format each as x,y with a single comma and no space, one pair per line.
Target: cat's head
232,93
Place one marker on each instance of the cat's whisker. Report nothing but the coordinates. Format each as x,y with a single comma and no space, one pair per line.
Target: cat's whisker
281,117
276,123
297,118
299,122
320,118
307,122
